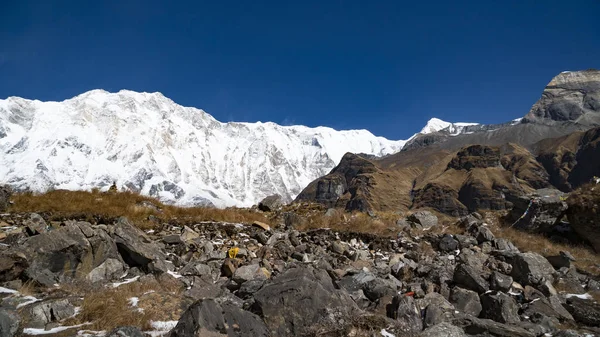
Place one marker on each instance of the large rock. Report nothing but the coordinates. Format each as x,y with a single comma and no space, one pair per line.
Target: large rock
5,193
584,215
50,311
469,277
444,329
9,323
270,203
487,327
12,265
300,298
68,252
405,310
584,311
35,224
208,318
125,331
466,301
111,269
137,249
424,218
247,273
538,211
531,269
499,307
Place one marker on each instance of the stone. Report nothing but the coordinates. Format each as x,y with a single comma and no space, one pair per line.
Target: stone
68,252
270,203
338,247
404,310
228,267
9,323
437,309
357,281
299,298
12,265
484,235
486,327
109,270
208,318
247,273
379,288
261,225
125,331
425,218
42,313
531,269
500,282
448,243
550,307
35,224
443,329
562,260
499,307
584,311
470,278
136,249
196,268
172,239
248,288
5,194
466,301
505,245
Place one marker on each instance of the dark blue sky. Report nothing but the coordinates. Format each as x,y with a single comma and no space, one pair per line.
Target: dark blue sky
386,66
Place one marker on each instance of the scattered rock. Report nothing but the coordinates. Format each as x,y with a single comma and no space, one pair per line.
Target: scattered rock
424,218
470,278
9,323
500,282
499,307
125,331
466,301
444,329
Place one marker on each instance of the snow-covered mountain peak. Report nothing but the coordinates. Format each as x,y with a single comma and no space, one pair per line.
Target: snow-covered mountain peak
148,143
437,125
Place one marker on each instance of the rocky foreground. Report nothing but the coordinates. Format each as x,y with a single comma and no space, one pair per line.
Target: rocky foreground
211,279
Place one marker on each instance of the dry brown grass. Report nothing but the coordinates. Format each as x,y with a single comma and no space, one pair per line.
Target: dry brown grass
107,308
383,223
62,204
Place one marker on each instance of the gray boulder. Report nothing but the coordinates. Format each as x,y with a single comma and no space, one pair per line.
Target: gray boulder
584,311
425,218
5,193
35,224
500,282
270,203
531,269
405,310
125,331
137,249
448,243
444,329
466,301
68,252
499,307
300,298
111,269
247,273
9,323
468,277
486,327
208,318
50,311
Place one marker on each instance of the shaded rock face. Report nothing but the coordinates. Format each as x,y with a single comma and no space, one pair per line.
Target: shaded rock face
5,193
137,249
475,196
441,198
209,318
299,299
476,156
539,211
270,203
584,214
9,323
68,252
570,96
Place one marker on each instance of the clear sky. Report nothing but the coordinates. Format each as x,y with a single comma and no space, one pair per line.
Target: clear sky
385,66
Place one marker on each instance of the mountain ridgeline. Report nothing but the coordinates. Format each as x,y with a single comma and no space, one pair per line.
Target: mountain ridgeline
459,168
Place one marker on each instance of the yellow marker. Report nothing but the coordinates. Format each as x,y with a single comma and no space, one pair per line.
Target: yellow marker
233,252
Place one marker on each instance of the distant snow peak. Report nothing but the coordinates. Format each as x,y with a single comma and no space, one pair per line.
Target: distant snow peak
436,125
148,143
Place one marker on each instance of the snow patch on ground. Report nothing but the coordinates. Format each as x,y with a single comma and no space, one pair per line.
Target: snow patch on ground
384,333
129,280
32,331
582,296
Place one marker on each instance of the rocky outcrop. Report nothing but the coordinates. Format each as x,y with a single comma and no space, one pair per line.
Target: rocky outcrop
5,193
584,213
475,156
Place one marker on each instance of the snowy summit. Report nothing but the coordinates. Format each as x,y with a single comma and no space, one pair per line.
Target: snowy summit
146,142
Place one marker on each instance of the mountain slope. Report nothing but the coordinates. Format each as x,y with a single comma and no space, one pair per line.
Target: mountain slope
147,143
479,166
